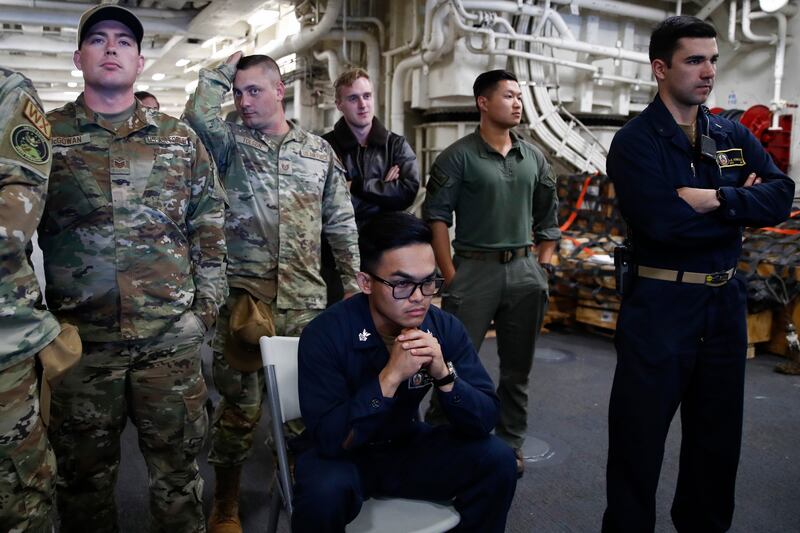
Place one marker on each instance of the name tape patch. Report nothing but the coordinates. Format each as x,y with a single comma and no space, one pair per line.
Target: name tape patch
252,143
732,157
71,141
167,139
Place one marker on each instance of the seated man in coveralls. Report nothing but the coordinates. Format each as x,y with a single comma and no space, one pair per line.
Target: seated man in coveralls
365,365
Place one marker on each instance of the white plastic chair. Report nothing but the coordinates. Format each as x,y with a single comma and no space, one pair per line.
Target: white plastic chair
385,515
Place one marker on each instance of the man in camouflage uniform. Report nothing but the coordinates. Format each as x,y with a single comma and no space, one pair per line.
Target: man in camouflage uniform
134,251
27,463
286,187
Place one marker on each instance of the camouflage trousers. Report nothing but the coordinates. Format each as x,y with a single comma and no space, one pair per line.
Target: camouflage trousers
27,463
242,393
158,384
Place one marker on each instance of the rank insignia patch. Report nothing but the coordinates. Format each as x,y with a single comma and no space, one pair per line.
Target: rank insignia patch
30,144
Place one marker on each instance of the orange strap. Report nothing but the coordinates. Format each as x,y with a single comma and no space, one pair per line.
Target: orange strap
565,226
783,231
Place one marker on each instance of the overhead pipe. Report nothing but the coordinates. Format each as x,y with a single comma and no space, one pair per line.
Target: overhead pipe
388,56
747,32
307,36
440,44
334,66
732,25
373,55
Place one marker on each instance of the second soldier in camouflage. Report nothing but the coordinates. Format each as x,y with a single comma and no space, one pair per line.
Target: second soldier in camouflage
286,187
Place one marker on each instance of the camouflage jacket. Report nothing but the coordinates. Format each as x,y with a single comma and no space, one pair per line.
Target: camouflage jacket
24,166
281,199
132,233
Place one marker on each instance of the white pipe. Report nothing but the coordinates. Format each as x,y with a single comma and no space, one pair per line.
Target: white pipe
602,6
334,67
371,20
373,55
746,27
440,44
780,55
307,36
387,69
732,25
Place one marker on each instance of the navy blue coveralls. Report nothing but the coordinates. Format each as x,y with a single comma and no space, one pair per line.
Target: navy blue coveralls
388,451
679,343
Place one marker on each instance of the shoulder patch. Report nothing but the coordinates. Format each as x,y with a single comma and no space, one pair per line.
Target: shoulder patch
436,181
30,144
36,116
72,141
732,157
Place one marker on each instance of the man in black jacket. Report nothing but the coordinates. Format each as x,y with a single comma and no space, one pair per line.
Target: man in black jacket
381,167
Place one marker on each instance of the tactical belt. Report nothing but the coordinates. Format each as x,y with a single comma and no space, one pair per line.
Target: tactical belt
501,256
714,279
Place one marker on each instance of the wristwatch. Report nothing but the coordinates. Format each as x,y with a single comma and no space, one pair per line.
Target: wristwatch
449,378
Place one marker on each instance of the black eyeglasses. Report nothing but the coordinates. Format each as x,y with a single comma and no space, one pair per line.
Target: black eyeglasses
403,289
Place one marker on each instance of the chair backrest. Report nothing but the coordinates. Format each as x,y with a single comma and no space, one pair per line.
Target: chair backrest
281,353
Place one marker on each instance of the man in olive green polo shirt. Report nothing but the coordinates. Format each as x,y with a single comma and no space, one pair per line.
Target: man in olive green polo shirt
504,196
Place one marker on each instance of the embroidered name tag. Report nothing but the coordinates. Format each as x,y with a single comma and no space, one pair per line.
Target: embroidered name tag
169,139
37,118
71,141
732,157
252,143
313,154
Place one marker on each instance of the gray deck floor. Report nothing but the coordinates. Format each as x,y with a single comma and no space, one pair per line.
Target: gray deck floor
565,492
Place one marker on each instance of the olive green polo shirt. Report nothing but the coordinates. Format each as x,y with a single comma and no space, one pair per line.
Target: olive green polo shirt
499,202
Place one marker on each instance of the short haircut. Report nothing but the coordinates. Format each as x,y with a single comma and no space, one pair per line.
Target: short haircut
348,78
487,82
141,95
258,60
665,36
388,231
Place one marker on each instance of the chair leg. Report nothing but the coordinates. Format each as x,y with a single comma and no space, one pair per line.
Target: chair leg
274,509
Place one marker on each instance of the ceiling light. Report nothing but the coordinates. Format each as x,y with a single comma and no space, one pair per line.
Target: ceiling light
72,84
71,95
182,62
76,74
142,87
158,76
771,6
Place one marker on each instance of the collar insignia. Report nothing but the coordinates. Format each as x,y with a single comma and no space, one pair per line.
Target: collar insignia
363,335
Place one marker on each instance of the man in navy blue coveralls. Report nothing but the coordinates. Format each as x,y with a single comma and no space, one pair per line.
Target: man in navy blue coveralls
365,365
681,336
